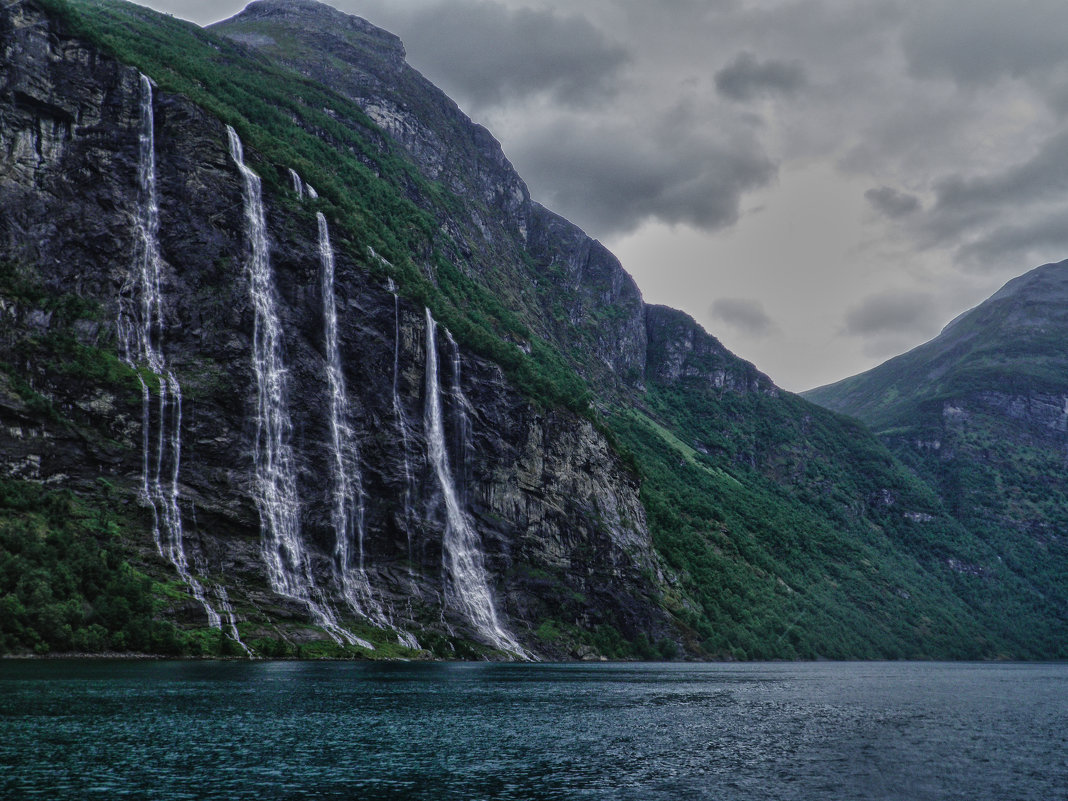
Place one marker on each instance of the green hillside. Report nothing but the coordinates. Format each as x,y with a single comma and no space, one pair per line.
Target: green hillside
980,412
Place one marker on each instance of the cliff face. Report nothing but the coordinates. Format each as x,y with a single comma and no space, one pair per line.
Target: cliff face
562,282
681,353
560,531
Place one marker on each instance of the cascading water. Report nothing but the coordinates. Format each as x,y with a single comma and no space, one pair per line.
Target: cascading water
288,566
466,582
463,423
298,184
141,334
402,423
348,511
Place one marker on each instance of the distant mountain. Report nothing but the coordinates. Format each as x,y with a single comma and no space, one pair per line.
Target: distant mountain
981,412
292,364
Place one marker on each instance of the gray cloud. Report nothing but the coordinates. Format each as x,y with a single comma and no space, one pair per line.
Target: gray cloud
982,40
744,315
610,179
484,53
746,78
987,219
892,313
1043,176
1020,244
891,202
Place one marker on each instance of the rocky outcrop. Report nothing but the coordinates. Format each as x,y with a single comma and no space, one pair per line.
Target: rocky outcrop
683,353
562,530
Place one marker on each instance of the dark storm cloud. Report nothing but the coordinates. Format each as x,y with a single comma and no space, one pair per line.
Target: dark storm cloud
485,53
980,41
744,315
610,178
746,78
989,218
891,202
1043,176
893,312
1018,245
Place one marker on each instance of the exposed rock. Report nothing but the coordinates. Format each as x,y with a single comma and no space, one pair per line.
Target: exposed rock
559,518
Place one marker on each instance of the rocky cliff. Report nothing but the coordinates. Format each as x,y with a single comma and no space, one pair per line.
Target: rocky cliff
567,287
561,534
290,362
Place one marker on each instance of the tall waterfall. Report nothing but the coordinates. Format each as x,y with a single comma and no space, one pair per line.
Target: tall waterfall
140,328
288,565
348,510
463,423
402,422
466,582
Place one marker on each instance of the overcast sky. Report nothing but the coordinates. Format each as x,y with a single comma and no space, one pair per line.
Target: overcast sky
822,184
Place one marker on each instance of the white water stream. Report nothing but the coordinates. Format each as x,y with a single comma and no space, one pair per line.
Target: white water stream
275,487
402,421
466,580
141,336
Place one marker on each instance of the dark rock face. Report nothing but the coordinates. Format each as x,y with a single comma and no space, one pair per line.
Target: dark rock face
566,280
681,352
562,529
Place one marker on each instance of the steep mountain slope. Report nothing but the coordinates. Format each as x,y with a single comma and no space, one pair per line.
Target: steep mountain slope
981,412
332,377
320,521
560,283
655,388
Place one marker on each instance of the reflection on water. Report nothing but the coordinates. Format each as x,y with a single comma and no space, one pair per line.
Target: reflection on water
281,730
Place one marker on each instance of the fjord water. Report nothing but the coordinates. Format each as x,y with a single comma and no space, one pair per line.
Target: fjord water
274,730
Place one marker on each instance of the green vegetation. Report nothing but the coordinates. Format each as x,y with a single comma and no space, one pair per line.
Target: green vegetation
976,413
764,532
66,584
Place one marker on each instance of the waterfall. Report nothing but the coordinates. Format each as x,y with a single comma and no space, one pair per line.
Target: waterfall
140,329
298,184
348,510
288,565
463,423
402,423
466,581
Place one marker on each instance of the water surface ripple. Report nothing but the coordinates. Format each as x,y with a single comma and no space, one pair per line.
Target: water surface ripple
291,730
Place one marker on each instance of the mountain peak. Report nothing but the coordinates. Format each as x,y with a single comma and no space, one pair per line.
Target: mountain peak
312,17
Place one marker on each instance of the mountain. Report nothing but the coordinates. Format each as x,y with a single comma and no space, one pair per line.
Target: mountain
291,364
981,412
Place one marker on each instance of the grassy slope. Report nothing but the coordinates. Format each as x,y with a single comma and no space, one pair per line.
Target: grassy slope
1002,476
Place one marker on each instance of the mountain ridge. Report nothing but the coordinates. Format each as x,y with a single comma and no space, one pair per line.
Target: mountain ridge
636,489
981,412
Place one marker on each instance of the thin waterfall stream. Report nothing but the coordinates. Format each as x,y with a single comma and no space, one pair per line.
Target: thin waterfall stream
275,487
140,328
466,580
402,422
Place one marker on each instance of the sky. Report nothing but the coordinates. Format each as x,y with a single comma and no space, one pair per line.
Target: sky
822,184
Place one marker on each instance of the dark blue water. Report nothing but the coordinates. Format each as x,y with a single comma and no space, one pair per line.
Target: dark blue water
271,730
